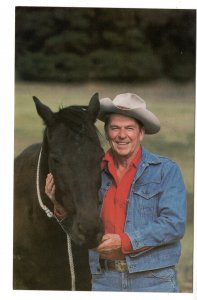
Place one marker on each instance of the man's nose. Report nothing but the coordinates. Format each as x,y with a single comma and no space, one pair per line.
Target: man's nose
122,133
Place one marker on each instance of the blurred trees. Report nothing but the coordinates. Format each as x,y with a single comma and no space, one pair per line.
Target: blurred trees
75,44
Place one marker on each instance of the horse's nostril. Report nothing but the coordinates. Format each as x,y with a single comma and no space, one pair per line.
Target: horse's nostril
82,229
92,231
89,235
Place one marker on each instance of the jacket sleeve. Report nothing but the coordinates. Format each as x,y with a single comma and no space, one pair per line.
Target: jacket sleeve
126,246
169,225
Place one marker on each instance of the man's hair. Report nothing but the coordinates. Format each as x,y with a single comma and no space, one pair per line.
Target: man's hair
107,120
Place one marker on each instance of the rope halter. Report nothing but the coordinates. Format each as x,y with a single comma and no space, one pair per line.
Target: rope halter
50,214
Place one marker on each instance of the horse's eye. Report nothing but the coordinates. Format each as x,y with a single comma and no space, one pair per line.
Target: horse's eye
82,131
55,160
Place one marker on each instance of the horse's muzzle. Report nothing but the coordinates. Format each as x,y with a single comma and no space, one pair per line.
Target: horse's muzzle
87,234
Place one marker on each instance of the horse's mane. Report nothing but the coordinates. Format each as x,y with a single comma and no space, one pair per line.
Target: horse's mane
72,115
76,118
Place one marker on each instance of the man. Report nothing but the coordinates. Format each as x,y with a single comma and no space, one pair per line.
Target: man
142,203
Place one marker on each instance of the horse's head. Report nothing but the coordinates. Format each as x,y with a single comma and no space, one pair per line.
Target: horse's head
74,156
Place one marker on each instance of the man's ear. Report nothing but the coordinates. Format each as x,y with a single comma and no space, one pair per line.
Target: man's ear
142,133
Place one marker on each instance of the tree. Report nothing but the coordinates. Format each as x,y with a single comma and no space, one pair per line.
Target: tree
73,44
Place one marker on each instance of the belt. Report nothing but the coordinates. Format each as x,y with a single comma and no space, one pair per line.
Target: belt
114,265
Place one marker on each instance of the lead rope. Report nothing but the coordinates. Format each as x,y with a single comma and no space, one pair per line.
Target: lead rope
46,209
50,214
71,263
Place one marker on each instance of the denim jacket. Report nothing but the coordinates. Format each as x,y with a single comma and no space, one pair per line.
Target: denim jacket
156,214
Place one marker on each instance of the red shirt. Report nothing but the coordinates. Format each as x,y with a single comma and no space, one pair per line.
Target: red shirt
115,202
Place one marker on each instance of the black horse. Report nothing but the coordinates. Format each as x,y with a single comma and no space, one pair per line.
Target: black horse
71,151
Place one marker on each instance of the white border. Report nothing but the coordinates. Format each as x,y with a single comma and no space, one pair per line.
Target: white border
7,25
173,4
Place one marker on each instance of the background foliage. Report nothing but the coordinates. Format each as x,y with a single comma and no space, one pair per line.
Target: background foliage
79,44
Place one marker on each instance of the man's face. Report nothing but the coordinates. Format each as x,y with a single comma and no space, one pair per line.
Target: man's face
125,135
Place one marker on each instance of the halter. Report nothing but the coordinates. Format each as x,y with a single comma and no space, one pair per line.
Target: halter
50,214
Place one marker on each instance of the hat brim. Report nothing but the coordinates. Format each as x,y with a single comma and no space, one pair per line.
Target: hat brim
147,118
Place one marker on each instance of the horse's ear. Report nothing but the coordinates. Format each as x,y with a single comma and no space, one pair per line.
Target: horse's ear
94,107
44,112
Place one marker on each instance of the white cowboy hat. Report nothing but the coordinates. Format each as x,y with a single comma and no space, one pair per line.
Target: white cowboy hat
130,105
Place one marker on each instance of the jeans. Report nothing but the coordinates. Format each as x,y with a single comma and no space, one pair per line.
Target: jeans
161,280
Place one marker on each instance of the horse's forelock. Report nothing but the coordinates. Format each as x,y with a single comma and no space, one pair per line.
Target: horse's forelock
76,118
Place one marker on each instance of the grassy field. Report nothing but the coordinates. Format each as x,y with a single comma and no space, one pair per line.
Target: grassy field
173,104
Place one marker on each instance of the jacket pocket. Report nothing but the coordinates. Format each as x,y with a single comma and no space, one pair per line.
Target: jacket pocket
146,198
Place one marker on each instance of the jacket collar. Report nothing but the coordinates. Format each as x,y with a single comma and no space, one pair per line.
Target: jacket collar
150,158
147,158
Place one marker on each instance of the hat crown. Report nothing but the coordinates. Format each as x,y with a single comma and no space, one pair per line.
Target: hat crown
130,105
129,101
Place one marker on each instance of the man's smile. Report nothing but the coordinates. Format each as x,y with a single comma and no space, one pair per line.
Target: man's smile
122,143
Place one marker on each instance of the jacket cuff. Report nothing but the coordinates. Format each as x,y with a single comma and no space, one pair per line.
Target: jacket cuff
126,246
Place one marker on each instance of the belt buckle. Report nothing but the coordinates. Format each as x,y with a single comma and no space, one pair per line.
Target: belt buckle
121,265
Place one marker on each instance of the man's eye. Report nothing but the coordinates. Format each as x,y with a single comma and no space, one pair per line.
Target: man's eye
114,128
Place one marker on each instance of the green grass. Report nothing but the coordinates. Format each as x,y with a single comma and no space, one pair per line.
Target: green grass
174,105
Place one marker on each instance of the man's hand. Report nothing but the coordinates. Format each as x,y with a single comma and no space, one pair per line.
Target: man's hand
50,191
50,187
110,247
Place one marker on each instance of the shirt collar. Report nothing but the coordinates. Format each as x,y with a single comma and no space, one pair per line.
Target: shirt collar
108,158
